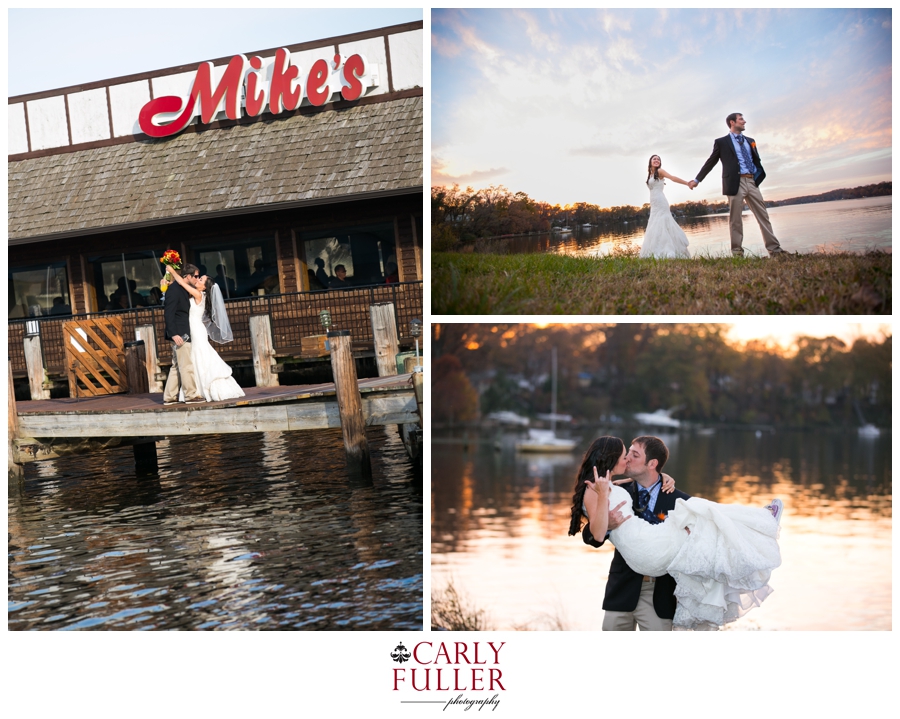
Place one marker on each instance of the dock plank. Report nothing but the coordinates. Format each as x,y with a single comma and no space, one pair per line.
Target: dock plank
153,402
386,400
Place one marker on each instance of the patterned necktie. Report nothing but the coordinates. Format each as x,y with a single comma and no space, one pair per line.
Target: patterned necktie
746,153
644,505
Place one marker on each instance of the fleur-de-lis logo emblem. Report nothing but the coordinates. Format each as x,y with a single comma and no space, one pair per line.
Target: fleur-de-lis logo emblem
400,654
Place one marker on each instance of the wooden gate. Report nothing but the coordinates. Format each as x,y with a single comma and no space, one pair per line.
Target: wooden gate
95,356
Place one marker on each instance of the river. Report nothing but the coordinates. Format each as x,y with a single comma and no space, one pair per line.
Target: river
840,225
500,520
249,531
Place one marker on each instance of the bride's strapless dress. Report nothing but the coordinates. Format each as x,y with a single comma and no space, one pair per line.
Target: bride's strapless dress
211,371
722,567
663,237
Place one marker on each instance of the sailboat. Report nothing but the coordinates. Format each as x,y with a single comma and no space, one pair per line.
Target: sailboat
545,440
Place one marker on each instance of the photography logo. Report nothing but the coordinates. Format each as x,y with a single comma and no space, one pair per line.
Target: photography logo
462,675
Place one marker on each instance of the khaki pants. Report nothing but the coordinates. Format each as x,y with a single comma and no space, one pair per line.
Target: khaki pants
643,616
181,376
750,192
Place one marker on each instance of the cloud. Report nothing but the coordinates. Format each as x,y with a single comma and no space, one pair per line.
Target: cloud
540,40
440,177
571,104
444,46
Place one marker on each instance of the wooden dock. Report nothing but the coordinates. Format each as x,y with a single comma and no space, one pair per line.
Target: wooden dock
386,401
110,403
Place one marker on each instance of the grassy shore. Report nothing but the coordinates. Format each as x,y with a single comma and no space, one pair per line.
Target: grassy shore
818,283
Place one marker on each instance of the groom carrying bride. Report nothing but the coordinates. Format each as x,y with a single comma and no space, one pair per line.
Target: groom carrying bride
633,600
742,173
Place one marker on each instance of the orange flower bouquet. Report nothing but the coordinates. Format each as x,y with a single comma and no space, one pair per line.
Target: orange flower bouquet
170,259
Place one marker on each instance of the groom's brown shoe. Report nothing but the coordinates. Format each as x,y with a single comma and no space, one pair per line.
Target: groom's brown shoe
196,400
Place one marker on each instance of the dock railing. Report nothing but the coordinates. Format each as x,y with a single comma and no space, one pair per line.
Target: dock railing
293,317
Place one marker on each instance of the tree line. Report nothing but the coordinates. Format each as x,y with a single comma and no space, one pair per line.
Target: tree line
466,215
614,370
848,193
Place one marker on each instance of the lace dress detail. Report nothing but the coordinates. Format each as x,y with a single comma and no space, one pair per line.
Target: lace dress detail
213,374
663,237
722,567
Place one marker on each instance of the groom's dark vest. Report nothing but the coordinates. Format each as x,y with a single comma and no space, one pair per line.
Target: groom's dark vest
623,588
723,149
177,311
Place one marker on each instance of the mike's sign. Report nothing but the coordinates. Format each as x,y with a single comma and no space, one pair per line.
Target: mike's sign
258,86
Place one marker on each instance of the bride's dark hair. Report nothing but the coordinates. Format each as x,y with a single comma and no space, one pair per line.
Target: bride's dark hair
208,289
653,170
604,453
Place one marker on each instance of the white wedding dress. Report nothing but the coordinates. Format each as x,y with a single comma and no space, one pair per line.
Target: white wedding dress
213,375
663,237
722,567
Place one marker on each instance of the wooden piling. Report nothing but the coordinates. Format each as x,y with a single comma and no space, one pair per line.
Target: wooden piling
145,457
263,351
419,386
353,423
16,470
136,367
384,329
155,377
34,361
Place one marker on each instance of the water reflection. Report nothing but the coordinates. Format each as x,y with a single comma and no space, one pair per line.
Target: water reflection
848,225
260,531
499,527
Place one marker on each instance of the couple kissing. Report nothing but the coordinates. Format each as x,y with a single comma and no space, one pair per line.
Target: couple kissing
680,562
195,313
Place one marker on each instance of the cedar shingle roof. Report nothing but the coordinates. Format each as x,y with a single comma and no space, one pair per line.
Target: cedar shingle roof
326,155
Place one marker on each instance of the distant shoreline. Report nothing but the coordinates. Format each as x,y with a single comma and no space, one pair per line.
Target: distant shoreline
461,216
719,213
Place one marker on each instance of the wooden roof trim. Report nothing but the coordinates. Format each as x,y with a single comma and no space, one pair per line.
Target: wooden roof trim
219,124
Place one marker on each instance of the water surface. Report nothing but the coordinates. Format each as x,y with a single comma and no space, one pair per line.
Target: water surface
251,531
500,520
845,225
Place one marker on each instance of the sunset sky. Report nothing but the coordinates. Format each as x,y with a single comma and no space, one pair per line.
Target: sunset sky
568,105
784,331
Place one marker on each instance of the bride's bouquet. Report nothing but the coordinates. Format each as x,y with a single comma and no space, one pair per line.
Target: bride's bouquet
170,259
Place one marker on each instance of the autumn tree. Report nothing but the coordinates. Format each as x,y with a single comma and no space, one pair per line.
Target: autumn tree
453,399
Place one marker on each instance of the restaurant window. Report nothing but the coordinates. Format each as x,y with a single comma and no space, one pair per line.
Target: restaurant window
241,268
367,252
39,291
128,280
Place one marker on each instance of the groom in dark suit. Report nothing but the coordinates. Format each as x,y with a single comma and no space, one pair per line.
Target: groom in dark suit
633,600
177,311
742,174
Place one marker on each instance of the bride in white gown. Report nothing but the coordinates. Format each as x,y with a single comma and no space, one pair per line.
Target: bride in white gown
208,320
721,556
663,237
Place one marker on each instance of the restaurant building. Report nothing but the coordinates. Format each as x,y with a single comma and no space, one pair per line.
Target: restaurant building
268,170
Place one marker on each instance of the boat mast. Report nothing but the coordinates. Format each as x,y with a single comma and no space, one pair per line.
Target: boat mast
553,396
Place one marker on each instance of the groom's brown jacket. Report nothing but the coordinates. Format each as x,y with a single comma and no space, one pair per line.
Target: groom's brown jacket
623,588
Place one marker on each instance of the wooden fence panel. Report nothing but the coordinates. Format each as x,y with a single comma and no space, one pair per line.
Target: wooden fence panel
95,356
